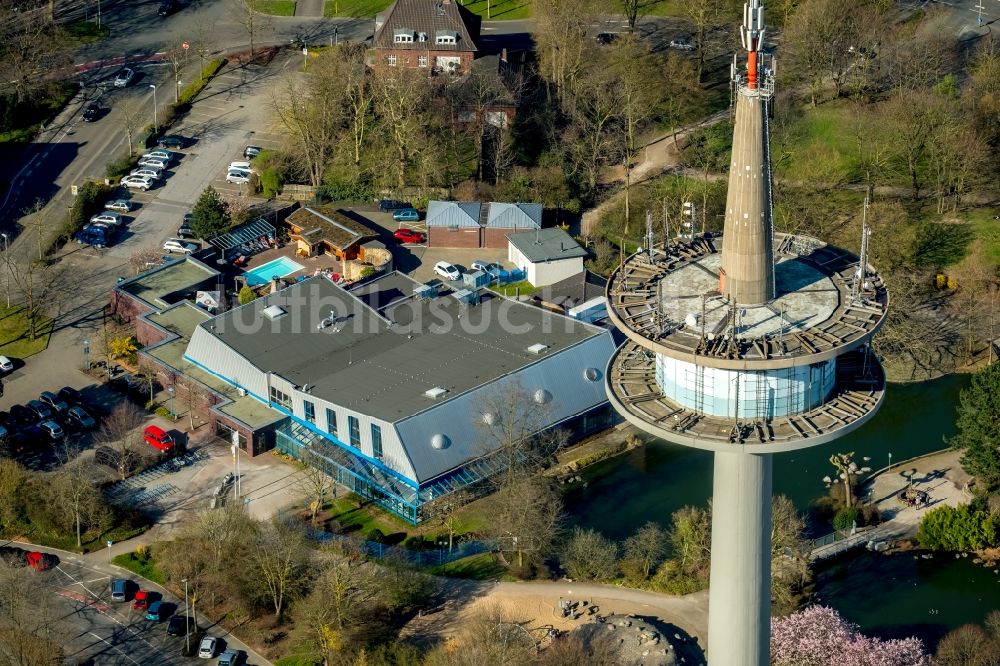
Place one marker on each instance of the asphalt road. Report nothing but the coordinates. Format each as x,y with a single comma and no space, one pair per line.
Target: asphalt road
98,631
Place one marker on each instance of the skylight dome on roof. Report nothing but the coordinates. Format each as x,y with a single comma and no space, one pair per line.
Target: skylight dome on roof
273,312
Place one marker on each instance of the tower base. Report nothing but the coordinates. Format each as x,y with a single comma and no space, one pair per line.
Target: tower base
739,605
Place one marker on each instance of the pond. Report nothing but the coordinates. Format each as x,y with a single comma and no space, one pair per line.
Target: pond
886,596
903,595
652,482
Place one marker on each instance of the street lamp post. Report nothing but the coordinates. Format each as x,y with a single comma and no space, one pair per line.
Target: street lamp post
177,92
156,124
170,392
236,464
110,543
889,471
86,354
187,615
6,273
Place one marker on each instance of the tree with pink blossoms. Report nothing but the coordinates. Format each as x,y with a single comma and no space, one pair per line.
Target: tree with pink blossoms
819,636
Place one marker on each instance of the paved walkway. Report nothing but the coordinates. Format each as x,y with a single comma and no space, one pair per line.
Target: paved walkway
310,8
939,475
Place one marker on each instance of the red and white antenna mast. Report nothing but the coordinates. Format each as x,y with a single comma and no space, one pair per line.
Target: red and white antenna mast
752,34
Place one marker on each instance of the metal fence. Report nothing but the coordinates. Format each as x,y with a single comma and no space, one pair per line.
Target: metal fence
382,551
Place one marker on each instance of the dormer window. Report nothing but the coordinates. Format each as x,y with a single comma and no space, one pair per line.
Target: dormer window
445,37
402,36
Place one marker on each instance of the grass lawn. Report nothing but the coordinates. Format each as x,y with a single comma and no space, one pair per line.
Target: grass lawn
474,567
142,566
85,32
500,10
511,289
355,8
819,146
277,7
358,520
986,230
657,8
14,340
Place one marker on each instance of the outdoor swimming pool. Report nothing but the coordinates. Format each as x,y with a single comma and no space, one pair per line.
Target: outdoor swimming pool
272,269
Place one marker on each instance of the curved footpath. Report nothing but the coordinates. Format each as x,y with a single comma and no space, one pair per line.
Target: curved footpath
95,562
535,604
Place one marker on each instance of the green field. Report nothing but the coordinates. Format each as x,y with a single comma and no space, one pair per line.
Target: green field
513,288
474,567
355,8
142,566
85,32
498,9
276,7
819,146
986,230
14,340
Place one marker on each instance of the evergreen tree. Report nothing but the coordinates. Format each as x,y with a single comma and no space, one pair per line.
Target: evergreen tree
246,295
209,217
979,427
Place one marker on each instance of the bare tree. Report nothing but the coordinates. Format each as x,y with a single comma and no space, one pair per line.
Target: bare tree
313,117
561,36
30,44
144,258
130,115
315,482
705,15
252,20
29,622
647,547
490,635
401,97
79,501
40,288
120,431
527,517
632,9
279,560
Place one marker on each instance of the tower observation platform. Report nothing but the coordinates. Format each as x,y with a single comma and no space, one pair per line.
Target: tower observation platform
747,344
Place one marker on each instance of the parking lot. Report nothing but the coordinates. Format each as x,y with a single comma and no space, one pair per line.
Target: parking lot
97,631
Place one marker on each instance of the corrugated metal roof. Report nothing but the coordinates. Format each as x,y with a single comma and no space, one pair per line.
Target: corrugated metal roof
453,214
562,374
514,215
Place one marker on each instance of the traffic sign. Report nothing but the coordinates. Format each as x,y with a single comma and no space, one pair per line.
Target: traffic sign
74,189
185,46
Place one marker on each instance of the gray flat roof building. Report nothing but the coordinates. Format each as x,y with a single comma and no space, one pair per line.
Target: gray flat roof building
546,245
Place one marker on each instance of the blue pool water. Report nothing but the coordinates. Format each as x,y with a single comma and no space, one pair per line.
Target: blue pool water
277,268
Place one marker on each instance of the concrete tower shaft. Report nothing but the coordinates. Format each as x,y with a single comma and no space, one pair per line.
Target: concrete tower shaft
747,274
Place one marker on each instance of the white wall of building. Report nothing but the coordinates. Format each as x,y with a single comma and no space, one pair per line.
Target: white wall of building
544,273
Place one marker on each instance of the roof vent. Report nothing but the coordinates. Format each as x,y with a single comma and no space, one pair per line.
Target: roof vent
537,348
440,441
435,392
273,312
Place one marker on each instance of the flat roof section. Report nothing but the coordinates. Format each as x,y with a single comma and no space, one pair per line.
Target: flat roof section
383,365
386,290
181,319
658,304
172,277
550,244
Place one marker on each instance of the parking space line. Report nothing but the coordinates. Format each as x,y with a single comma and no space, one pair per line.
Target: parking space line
116,648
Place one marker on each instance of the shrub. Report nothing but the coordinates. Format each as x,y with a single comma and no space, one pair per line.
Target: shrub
191,90
846,518
957,528
589,555
271,181
246,295
120,166
367,272
163,411
375,535
415,542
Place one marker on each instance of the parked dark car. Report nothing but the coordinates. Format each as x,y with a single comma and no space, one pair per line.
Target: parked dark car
185,230
251,152
92,112
392,204
70,395
55,403
167,7
21,415
175,627
171,141
78,417
40,409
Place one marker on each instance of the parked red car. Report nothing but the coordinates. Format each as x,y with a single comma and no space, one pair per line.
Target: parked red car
38,561
158,438
408,236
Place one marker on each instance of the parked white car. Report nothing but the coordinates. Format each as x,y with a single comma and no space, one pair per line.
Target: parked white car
172,245
121,205
6,365
148,172
238,177
239,166
681,44
161,153
108,217
155,162
447,271
137,182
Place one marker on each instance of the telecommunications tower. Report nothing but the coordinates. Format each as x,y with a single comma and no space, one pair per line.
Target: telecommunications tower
746,344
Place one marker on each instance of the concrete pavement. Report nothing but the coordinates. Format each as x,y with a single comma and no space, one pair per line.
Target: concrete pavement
96,628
